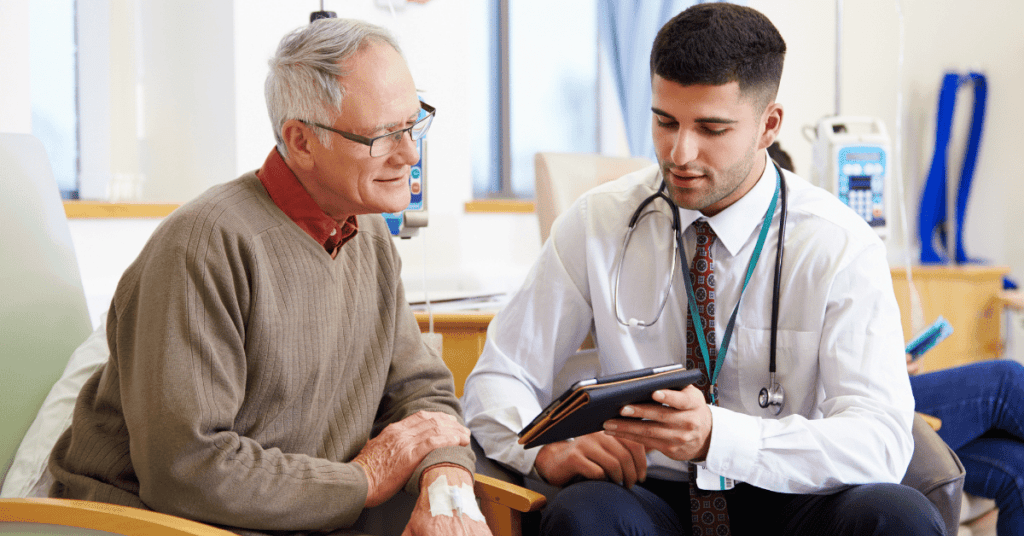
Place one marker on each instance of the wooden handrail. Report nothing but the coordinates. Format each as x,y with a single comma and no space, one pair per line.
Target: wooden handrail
113,518
515,497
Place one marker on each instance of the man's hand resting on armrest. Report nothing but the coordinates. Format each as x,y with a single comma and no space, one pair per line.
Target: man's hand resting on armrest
390,458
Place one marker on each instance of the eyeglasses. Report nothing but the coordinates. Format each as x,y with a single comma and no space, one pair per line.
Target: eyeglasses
385,144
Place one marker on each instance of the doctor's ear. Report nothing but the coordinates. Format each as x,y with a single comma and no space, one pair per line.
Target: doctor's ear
771,122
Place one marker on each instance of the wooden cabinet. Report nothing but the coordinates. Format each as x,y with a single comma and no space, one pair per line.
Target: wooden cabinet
969,298
463,335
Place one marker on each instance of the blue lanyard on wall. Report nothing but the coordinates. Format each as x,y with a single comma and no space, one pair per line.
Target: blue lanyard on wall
695,315
932,216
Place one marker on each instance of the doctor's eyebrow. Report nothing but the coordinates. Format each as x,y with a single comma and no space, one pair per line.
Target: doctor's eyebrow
715,120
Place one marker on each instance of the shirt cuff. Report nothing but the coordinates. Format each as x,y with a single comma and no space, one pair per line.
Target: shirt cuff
444,464
735,438
461,456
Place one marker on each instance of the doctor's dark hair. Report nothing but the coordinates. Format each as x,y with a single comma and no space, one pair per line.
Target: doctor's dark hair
718,43
303,78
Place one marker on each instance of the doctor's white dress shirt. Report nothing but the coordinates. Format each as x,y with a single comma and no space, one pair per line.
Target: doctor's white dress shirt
848,407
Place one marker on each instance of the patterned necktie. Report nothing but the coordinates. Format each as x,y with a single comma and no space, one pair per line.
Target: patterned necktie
708,513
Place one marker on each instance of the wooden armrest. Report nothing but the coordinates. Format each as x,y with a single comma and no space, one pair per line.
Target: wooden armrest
503,504
507,494
934,422
1011,299
101,516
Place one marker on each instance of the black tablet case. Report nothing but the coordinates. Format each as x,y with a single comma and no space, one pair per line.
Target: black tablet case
583,410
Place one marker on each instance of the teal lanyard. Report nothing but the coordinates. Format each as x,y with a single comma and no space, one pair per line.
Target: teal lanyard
695,315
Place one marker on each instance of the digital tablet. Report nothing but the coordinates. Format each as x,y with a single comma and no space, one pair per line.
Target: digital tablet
584,407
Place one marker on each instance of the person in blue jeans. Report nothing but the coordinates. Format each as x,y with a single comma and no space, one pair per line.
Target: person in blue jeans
983,421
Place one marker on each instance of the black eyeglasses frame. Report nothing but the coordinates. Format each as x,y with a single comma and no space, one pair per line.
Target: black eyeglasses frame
397,135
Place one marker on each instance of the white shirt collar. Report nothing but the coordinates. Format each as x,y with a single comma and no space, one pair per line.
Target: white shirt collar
734,225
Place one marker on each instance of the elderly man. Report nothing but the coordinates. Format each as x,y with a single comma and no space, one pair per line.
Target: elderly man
266,372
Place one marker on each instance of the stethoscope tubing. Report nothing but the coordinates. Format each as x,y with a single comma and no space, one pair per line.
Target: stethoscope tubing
773,395
778,271
632,322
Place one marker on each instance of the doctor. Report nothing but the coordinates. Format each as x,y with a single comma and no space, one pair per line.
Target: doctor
830,461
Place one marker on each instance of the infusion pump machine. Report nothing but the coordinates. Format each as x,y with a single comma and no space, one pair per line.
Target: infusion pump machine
851,160
407,223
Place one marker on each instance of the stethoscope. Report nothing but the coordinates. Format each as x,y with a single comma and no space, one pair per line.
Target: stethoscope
773,396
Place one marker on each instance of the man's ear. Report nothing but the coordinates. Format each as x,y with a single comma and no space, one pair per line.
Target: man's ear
771,122
299,139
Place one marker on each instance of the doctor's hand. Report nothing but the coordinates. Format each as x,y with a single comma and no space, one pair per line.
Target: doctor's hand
678,425
390,458
595,456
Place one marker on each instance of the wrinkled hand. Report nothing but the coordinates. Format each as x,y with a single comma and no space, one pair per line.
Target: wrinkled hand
421,523
678,425
914,367
390,458
596,456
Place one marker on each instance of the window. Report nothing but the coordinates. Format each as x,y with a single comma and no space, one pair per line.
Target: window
542,91
54,88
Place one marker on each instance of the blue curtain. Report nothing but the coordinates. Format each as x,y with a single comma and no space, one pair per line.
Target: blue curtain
627,31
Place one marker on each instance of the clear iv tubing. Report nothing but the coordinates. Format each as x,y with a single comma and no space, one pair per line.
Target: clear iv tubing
457,499
917,322
426,296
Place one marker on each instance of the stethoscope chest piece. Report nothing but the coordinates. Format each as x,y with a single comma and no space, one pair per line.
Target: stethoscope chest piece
773,396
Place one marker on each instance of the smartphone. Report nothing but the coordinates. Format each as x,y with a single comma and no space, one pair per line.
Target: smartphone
928,338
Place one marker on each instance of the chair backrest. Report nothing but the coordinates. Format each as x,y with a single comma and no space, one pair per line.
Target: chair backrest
936,471
560,178
43,312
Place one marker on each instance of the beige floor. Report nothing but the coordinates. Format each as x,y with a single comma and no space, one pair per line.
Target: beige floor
982,526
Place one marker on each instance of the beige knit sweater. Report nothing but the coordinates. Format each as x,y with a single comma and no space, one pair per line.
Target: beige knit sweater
248,369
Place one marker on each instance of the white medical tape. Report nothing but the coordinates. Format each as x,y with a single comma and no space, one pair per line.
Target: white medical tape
440,499
445,499
470,508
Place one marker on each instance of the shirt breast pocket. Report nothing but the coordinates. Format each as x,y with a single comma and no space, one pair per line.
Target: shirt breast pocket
796,369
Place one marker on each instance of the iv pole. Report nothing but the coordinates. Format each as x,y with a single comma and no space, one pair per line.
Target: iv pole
839,53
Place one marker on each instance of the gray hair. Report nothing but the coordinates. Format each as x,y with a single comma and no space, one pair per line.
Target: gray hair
303,78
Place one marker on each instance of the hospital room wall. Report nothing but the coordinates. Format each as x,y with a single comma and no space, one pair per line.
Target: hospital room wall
940,36
15,91
493,251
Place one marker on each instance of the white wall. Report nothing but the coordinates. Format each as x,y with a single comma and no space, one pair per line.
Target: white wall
15,88
104,249
188,96
940,35
207,123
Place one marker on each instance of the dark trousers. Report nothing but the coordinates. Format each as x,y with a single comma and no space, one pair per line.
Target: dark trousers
662,508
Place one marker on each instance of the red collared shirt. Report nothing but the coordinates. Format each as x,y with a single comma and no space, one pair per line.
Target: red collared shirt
288,194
